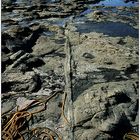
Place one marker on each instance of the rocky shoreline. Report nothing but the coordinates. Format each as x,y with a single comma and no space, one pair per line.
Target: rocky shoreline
80,60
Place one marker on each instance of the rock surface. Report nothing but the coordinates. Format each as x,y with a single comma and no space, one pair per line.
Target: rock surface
91,77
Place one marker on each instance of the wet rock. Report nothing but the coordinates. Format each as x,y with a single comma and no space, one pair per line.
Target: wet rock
19,82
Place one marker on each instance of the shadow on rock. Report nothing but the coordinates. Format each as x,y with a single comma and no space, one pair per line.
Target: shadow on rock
96,77
19,82
123,127
22,40
30,42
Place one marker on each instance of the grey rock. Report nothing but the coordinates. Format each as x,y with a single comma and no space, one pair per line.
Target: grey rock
103,71
92,134
44,46
17,55
19,61
25,61
7,106
18,82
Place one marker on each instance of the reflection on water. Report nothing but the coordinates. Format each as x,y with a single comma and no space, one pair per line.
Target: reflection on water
86,12
109,28
117,3
99,2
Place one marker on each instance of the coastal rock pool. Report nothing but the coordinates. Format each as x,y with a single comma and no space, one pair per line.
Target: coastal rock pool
108,28
117,3
96,2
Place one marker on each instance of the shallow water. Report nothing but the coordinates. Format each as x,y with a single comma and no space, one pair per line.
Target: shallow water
86,12
108,28
117,3
99,2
